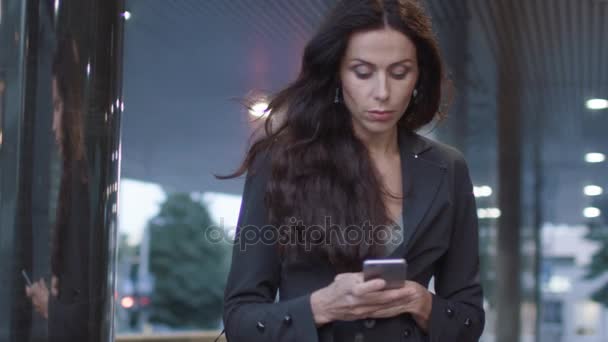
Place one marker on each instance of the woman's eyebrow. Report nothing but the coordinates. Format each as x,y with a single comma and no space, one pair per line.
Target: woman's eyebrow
407,60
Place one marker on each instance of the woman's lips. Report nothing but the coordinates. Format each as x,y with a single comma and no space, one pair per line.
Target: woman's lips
377,115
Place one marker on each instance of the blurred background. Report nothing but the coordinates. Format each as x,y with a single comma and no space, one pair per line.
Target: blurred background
530,114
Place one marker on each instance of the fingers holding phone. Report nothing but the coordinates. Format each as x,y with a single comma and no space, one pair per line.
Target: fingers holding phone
412,298
354,296
38,294
346,298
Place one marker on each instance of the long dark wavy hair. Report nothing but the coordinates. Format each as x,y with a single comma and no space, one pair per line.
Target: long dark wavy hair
65,71
320,169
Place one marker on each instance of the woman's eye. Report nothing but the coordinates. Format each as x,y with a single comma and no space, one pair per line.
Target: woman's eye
400,76
363,75
362,71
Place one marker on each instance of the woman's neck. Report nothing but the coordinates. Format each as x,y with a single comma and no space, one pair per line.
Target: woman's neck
380,144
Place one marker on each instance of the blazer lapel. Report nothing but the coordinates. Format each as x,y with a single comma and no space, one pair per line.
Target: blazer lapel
421,180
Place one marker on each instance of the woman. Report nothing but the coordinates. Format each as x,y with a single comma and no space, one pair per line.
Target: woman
344,154
67,304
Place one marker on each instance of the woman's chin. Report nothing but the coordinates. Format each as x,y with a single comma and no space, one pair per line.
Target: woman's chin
376,128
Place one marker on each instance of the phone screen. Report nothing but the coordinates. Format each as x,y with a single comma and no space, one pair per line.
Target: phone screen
393,271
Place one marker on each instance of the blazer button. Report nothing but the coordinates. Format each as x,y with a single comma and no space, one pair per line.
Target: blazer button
359,337
468,322
369,323
407,332
449,312
287,320
261,327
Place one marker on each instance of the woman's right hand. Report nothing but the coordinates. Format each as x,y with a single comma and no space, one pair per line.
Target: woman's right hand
39,294
348,298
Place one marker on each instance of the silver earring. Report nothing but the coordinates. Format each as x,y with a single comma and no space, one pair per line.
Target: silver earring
337,98
415,92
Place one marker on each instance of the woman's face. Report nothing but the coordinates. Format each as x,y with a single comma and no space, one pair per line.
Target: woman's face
378,75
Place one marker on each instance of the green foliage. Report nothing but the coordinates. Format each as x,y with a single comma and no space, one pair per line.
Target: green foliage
601,295
189,268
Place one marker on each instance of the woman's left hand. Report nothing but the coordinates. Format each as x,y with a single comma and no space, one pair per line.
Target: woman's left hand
413,299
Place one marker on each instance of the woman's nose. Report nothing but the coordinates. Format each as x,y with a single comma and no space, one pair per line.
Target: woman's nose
382,90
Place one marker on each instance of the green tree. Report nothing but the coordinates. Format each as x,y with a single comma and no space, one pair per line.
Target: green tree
188,266
598,232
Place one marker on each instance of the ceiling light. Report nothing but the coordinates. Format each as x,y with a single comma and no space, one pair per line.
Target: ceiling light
597,104
595,157
482,191
559,284
494,212
593,190
591,212
490,213
126,15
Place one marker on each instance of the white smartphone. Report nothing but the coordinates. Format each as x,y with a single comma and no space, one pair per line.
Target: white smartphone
393,271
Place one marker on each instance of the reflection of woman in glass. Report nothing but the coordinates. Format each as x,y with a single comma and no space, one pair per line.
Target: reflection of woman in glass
66,305
345,159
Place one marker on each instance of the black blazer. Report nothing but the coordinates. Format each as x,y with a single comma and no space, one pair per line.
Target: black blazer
70,314
440,240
